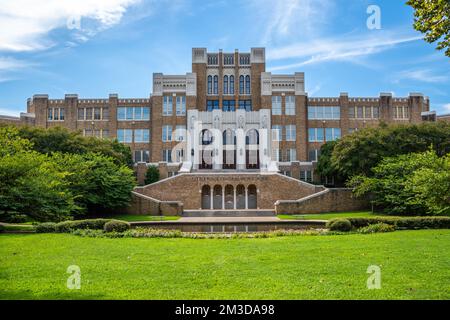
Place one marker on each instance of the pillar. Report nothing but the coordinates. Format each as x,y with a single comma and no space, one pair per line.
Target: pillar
212,198
223,198
246,198
235,199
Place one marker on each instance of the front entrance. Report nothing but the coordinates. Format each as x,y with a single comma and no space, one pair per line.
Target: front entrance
229,197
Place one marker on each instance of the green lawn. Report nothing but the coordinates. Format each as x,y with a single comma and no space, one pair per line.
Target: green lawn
328,216
414,264
131,217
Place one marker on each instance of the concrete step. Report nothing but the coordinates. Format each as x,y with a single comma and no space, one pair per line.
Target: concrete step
228,213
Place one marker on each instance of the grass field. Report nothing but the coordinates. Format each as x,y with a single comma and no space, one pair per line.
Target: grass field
414,264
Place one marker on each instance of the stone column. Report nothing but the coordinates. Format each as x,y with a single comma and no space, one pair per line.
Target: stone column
212,198
246,198
223,198
235,199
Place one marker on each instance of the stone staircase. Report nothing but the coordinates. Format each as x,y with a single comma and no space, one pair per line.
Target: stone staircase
229,213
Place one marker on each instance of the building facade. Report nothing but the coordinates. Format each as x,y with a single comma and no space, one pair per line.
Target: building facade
227,114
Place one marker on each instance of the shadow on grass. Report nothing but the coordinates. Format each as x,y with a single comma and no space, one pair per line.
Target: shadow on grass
57,295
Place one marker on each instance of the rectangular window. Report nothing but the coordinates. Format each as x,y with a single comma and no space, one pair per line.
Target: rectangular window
181,106
50,114
313,155
276,105
180,133
105,133
97,113
167,155
292,155
315,134
351,112
142,135
125,135
376,113
245,105
332,134
167,106
141,156
87,133
276,155
121,113
290,105
80,113
167,133
105,113
130,113
324,113
290,133
360,112
277,133
306,175
229,105
137,113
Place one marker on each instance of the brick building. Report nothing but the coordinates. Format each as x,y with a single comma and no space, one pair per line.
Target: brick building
227,115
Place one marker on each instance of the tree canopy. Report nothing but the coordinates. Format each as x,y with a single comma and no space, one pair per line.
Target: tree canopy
432,19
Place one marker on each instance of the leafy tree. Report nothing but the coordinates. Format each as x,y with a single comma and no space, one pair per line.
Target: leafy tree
432,19
30,185
358,153
408,184
325,166
11,143
152,175
59,139
98,183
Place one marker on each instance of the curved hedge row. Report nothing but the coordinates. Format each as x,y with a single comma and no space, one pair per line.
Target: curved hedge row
68,226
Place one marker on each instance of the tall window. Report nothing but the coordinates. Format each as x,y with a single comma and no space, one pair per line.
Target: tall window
142,135
167,133
181,106
209,84
401,112
247,85
291,155
290,105
167,155
167,106
55,114
229,105
216,84
125,135
332,134
245,105
241,85
231,84
141,156
313,155
277,133
315,135
225,85
366,112
276,105
290,133
212,105
306,175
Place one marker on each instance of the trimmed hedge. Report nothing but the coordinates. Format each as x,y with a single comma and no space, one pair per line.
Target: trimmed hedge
376,228
339,225
116,226
401,223
47,227
68,226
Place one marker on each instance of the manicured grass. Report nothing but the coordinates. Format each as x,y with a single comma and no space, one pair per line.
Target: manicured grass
414,264
131,218
328,216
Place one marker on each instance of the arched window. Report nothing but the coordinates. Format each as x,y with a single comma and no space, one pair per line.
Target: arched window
241,85
216,84
209,84
225,85
247,85
231,84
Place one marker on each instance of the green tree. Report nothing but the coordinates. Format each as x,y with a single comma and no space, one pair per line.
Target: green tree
98,183
358,153
403,185
59,139
432,19
152,175
30,185
11,142
325,166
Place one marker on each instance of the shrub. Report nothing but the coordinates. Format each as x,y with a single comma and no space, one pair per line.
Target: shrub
377,227
339,225
152,175
116,226
2,228
46,227
93,224
404,223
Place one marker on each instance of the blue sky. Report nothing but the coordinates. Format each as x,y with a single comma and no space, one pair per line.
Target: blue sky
118,44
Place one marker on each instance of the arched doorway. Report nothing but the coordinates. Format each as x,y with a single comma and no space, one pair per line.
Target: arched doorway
252,197
229,149
206,197
217,202
229,197
252,149
240,197
206,156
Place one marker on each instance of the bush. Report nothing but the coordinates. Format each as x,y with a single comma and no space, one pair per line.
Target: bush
404,223
152,175
13,218
116,226
46,227
2,228
93,224
339,225
377,227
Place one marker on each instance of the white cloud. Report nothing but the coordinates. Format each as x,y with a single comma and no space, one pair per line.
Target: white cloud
9,112
422,75
334,49
286,18
446,107
25,24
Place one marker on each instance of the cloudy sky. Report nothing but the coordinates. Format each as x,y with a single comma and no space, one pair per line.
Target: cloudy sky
97,47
